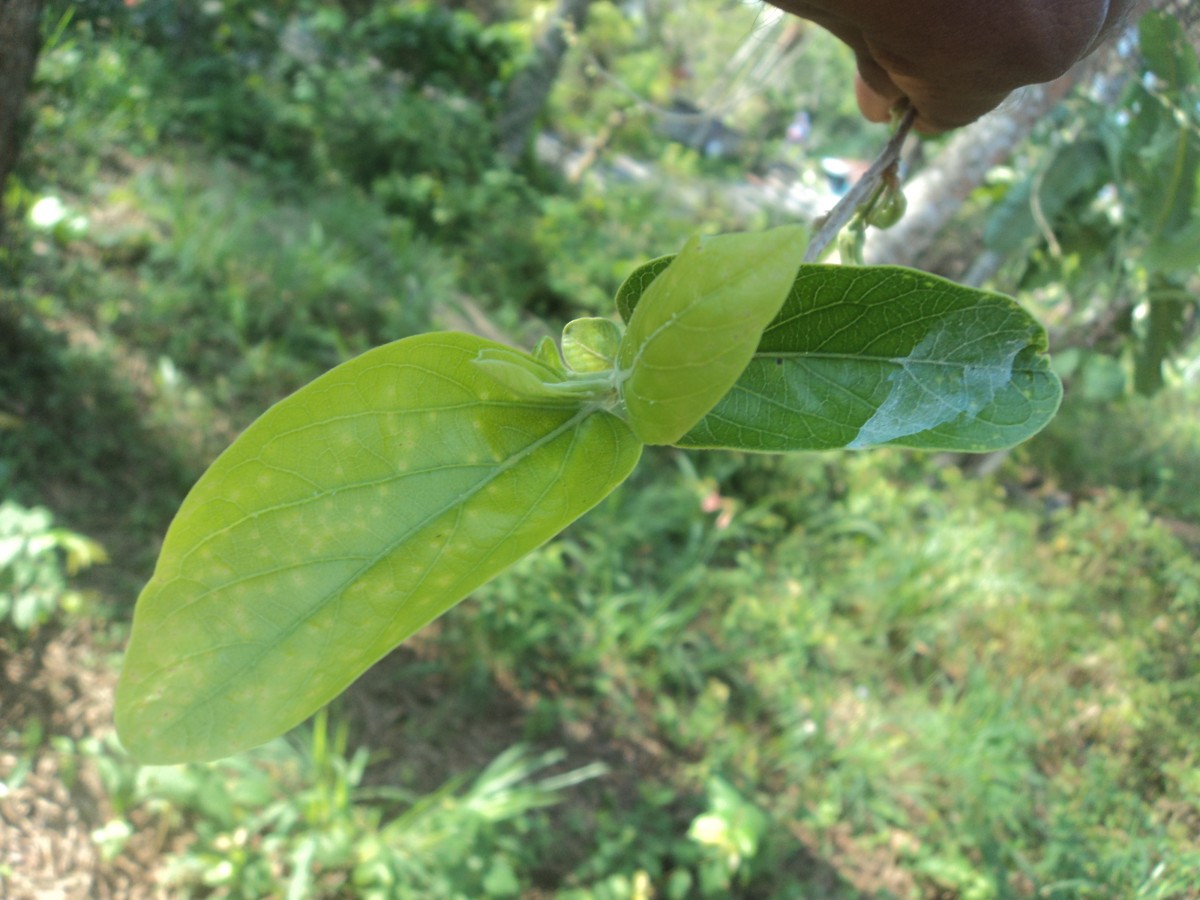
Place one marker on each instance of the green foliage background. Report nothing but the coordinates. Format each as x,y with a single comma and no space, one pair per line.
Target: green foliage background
839,675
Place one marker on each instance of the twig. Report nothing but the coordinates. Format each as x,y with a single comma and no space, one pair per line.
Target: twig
1039,215
837,218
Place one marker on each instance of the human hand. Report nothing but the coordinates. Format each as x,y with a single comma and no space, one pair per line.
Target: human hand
957,59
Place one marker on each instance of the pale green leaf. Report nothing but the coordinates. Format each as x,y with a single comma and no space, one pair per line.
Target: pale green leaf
696,326
347,517
590,345
546,352
861,356
528,376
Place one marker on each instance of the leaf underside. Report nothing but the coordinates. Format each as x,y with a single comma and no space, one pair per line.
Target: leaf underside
347,517
872,355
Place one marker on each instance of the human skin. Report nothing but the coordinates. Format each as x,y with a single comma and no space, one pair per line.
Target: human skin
957,59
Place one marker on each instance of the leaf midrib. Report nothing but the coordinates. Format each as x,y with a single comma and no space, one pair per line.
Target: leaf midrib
794,356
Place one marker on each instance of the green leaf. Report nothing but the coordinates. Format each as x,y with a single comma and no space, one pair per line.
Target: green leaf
1162,157
1178,251
695,327
1165,48
1101,379
632,288
884,355
525,375
590,345
1077,171
1164,332
546,352
1170,206
347,517
1162,165
533,379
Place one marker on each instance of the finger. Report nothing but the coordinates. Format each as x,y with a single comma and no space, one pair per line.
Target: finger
877,106
941,107
874,106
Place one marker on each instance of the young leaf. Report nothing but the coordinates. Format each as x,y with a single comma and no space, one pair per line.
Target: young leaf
546,352
884,355
590,345
532,378
697,324
525,375
348,516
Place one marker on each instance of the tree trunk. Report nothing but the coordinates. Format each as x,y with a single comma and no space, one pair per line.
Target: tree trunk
20,37
531,86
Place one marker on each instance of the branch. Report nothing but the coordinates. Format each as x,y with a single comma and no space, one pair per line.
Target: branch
837,218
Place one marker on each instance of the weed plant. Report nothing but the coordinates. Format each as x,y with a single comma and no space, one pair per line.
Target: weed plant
295,819
1155,455
914,658
36,562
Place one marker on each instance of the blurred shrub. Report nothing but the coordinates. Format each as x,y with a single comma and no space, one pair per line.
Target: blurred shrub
447,49
91,92
1143,444
71,426
301,283
35,561
993,693
994,688
296,86
295,819
592,241
1101,216
318,102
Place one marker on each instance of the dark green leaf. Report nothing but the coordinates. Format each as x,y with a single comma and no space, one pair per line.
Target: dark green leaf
1169,190
1078,170
1165,331
1178,251
884,355
634,286
1100,378
1165,48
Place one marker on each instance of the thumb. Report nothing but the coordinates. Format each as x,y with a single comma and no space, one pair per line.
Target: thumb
874,106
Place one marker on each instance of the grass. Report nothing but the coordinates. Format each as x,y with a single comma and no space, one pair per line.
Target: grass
839,675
